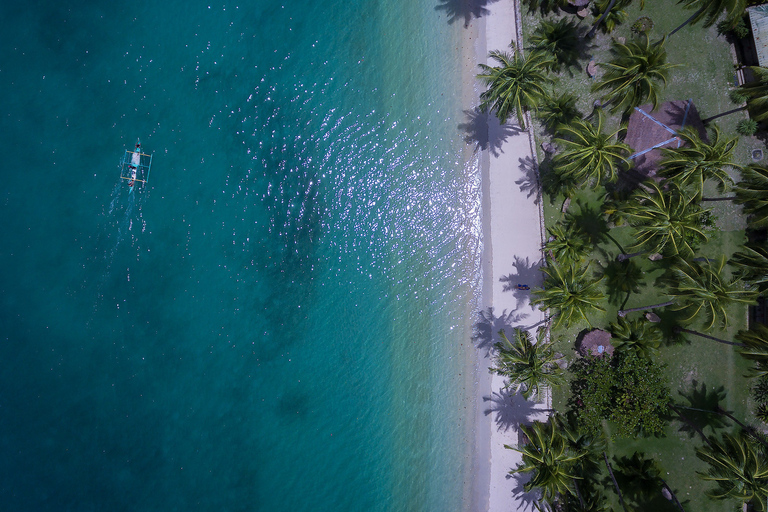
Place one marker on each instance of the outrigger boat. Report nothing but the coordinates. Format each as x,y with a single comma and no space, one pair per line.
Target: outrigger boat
135,166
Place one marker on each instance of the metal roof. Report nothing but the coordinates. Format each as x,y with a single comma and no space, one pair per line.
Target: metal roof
758,17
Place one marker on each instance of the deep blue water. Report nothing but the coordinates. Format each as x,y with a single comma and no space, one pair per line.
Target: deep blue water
277,320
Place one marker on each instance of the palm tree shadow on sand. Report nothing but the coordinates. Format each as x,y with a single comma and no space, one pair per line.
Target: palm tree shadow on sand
524,500
485,132
510,409
486,329
529,183
526,273
466,10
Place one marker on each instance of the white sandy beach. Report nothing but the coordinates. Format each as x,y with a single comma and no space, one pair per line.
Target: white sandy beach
512,240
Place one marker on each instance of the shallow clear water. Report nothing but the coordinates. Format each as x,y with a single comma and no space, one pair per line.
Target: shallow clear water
277,321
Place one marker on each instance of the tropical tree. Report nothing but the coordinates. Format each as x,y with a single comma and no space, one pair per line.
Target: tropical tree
517,84
752,194
754,346
548,456
701,288
588,154
570,291
697,161
558,111
638,336
751,264
667,221
710,10
756,93
634,75
567,244
738,467
609,14
528,366
560,39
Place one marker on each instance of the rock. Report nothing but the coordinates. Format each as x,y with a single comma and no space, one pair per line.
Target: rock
582,13
548,147
655,257
652,317
592,68
566,204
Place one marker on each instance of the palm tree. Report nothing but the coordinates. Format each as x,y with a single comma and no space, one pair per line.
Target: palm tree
516,85
667,221
560,39
752,193
549,457
558,111
635,74
567,244
609,14
752,266
702,288
738,468
710,10
639,336
755,348
588,154
570,291
697,161
528,366
757,94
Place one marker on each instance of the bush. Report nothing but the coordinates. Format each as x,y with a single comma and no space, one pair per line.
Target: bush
747,127
740,30
626,389
737,96
643,25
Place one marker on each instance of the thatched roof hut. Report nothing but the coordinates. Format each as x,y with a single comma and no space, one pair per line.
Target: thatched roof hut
597,342
648,132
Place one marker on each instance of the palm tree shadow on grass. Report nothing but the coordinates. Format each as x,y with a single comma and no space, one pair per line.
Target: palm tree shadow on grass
466,10
592,222
485,132
638,479
699,408
485,331
622,279
510,409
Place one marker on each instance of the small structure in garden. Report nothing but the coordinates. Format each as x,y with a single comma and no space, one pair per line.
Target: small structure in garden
758,18
648,132
596,342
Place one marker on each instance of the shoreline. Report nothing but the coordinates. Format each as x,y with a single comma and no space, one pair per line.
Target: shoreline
511,249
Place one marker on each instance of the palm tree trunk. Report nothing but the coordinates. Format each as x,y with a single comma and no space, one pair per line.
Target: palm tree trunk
686,21
723,114
591,33
625,257
718,198
615,483
679,506
747,428
625,312
578,493
707,336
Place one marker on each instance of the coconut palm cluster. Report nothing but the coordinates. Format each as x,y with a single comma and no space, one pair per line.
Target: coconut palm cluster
625,395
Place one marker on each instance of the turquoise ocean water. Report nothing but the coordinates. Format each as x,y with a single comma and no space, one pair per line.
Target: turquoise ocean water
277,321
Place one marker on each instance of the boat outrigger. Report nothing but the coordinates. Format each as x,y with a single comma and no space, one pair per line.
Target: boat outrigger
135,166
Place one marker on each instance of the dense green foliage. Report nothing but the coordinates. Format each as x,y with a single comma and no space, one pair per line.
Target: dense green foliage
628,390
527,365
570,291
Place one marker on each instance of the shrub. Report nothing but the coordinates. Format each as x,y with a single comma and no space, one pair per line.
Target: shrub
740,30
643,25
747,127
737,97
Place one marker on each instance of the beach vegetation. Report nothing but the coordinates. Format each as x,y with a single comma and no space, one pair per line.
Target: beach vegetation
709,11
666,221
757,94
738,466
754,347
637,335
635,75
517,84
567,244
752,193
549,458
696,161
750,264
588,153
528,365
557,111
570,291
561,39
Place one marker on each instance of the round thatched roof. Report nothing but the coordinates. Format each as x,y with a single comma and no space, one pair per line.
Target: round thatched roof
597,342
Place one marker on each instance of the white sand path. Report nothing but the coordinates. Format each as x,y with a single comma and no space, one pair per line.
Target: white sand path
512,240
